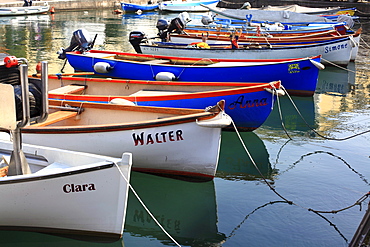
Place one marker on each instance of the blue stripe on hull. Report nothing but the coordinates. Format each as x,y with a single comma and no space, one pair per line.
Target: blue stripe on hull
248,111
295,76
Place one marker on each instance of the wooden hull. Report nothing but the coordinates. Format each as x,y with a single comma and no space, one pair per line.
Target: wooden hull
337,52
189,5
244,39
218,70
64,193
285,30
249,106
154,135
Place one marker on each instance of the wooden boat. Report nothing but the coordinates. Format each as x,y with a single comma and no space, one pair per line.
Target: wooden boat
248,104
154,135
29,10
130,7
157,133
187,5
57,191
271,30
333,52
167,68
224,38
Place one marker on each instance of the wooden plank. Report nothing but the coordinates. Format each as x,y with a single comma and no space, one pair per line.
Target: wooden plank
67,89
157,61
56,117
155,93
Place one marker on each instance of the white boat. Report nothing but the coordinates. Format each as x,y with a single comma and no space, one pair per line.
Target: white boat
174,141
187,5
338,51
29,10
266,15
301,9
56,191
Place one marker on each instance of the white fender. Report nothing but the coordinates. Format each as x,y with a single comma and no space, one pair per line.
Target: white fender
102,67
318,65
165,76
118,101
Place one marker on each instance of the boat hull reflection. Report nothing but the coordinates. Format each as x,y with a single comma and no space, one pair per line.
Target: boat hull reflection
234,162
187,210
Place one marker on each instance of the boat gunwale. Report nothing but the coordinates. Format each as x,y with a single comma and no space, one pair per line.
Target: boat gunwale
174,59
73,170
198,115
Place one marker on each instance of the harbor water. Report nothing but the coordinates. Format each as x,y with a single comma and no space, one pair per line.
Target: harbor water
286,187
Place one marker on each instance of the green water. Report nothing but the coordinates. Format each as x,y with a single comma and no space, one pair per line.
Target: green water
237,208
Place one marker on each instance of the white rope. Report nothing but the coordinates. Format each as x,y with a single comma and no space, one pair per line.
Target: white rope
147,210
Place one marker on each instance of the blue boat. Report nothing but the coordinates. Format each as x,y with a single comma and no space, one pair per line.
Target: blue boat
298,76
248,104
130,7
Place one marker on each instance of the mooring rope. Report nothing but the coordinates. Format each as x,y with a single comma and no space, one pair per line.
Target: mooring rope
317,133
279,195
232,233
145,207
282,197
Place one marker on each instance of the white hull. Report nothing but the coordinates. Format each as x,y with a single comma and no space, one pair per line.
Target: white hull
354,52
338,53
24,10
188,6
68,193
180,148
267,15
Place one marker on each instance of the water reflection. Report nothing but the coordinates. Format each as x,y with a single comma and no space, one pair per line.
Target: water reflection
291,118
234,162
30,239
24,19
337,81
186,210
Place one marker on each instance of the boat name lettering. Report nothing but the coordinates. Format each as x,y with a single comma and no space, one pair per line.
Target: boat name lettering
146,139
335,48
143,218
245,103
70,188
293,68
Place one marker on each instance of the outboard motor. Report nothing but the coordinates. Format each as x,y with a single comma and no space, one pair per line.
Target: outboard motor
206,20
176,25
135,38
81,41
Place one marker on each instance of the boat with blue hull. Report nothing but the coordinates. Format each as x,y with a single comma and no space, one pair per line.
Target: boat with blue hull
130,7
298,76
187,5
249,105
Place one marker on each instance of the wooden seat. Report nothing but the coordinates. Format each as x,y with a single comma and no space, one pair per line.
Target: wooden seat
157,61
56,117
67,89
155,93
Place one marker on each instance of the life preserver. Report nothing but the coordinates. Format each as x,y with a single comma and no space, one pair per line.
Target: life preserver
200,45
